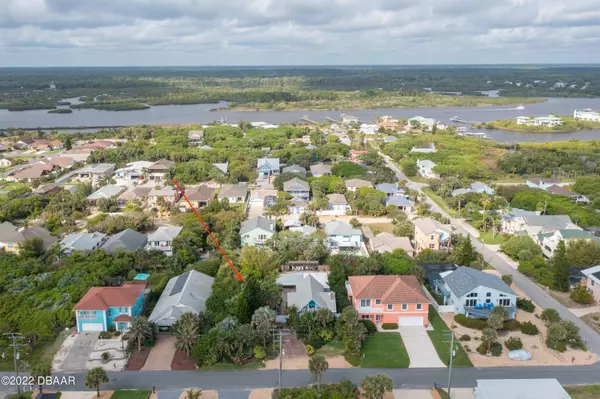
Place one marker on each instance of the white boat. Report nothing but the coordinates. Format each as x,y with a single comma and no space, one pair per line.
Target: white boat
520,107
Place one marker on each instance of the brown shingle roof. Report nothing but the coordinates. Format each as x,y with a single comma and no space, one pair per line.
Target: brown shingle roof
102,298
390,289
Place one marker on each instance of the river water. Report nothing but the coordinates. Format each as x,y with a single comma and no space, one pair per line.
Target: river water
186,114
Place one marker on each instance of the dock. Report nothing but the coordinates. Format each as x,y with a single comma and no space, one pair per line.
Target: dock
456,119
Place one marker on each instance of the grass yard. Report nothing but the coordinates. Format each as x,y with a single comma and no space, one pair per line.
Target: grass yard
333,348
384,350
584,392
489,239
377,228
440,201
439,337
127,394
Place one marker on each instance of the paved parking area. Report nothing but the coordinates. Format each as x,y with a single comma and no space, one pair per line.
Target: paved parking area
161,354
292,346
419,347
80,352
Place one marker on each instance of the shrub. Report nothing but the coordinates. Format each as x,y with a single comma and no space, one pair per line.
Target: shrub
550,316
105,356
507,278
369,325
513,343
465,337
511,325
525,304
259,352
582,295
482,349
389,326
529,328
496,349
105,335
310,350
477,324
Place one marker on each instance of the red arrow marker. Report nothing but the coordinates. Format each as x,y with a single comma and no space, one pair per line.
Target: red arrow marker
214,240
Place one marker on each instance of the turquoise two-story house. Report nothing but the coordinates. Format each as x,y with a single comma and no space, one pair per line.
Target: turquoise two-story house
102,307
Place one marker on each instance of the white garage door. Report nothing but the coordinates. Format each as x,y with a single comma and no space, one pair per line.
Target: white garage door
410,321
92,327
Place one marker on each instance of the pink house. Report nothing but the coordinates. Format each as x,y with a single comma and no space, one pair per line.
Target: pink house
592,282
389,299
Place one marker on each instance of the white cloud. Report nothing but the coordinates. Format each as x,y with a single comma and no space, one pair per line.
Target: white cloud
213,32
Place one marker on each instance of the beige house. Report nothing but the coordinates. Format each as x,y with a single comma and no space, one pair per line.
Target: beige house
387,242
592,282
431,234
11,236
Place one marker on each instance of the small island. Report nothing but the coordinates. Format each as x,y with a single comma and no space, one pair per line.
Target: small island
544,124
61,111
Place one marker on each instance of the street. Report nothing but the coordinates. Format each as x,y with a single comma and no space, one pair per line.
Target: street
532,290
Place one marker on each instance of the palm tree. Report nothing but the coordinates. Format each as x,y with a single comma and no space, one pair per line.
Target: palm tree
262,321
317,366
185,331
41,370
193,393
95,377
140,330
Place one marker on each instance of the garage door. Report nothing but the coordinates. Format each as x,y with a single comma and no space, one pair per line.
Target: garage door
92,327
410,321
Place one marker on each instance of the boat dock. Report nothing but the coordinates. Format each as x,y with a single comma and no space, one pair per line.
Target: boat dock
456,119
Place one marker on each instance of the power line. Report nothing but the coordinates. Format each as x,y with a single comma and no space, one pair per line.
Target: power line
15,345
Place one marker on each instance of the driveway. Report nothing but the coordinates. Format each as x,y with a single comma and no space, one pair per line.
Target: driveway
583,311
226,394
255,209
80,352
412,394
292,346
169,394
419,347
161,354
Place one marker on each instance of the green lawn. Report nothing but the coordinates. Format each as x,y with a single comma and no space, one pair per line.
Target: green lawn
487,236
126,394
333,348
439,337
440,201
384,350
584,392
377,228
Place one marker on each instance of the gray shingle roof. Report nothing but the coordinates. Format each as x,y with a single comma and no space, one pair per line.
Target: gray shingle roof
464,280
294,169
341,228
308,288
269,163
185,293
82,241
320,169
128,240
549,221
398,201
165,233
233,190
296,184
108,191
387,188
258,222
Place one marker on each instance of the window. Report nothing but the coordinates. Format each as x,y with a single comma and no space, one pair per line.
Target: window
365,302
390,306
432,237
470,302
432,246
489,294
592,282
377,301
378,318
404,306
419,306
87,314
488,301
364,316
472,295
109,313
504,302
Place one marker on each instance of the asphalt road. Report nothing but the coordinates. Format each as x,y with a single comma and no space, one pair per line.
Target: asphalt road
532,290
242,380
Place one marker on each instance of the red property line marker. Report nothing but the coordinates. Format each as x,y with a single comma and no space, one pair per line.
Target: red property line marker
214,240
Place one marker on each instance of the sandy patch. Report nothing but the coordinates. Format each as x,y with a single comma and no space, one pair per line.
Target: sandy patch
535,344
301,363
62,353
266,393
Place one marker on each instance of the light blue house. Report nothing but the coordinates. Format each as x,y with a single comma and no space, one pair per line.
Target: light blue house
298,189
256,231
103,307
267,167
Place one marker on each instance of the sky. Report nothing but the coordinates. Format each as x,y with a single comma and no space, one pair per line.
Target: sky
297,32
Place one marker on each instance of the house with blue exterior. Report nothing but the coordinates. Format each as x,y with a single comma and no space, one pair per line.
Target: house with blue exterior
102,307
298,189
267,167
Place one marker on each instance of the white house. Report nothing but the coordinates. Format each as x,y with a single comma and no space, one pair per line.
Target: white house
235,193
267,167
342,235
425,168
319,170
308,291
543,183
475,187
547,121
474,293
132,173
349,119
355,184
421,121
5,162
425,150
402,203
549,241
162,239
256,231
592,282
587,115
526,223
368,129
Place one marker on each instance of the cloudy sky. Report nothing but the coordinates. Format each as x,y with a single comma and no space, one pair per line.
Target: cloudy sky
297,32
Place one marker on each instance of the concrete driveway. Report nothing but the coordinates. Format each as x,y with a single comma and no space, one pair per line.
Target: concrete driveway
80,352
161,354
412,394
255,209
419,347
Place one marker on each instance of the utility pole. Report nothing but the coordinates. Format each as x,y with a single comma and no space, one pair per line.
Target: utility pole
15,345
280,359
450,363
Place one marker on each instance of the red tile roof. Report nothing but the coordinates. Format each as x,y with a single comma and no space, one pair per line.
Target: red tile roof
122,318
102,298
390,289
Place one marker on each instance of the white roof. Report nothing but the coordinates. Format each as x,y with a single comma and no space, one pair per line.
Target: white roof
165,233
426,163
187,292
310,286
543,388
341,228
108,191
134,167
